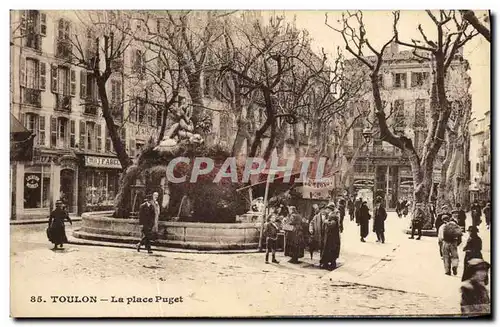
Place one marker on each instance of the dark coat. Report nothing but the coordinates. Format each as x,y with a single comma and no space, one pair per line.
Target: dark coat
147,215
271,230
472,250
461,218
475,210
331,242
487,214
56,231
475,298
379,217
295,240
364,217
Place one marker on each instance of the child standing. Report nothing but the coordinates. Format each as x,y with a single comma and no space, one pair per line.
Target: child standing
271,234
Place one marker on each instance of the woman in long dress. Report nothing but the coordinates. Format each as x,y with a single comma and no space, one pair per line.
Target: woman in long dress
294,239
56,231
331,241
364,217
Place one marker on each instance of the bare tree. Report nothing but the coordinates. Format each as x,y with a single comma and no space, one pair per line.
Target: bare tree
471,17
442,52
99,50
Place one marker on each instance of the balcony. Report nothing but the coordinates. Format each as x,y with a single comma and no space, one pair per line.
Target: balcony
32,97
63,49
117,111
33,41
91,107
63,102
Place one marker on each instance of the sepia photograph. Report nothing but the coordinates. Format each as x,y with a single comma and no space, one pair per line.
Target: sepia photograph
250,163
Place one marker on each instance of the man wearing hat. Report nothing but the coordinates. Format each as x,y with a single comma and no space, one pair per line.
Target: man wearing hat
472,249
460,216
147,220
445,218
439,219
475,299
452,237
476,213
417,221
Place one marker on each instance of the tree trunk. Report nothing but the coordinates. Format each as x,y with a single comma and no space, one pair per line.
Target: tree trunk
118,145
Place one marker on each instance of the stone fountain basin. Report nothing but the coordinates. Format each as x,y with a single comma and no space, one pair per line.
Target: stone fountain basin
100,226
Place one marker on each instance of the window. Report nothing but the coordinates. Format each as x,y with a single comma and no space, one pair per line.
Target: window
92,92
140,110
59,133
420,115
32,74
138,63
63,44
72,135
99,138
419,79
33,27
36,125
420,136
477,167
36,187
101,188
116,92
399,80
90,130
357,138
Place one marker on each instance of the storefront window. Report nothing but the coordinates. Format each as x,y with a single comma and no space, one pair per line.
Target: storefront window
36,188
101,188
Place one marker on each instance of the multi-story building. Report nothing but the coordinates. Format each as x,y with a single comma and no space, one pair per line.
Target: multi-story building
405,87
74,159
480,159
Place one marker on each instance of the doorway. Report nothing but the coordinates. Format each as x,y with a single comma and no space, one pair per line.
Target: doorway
67,190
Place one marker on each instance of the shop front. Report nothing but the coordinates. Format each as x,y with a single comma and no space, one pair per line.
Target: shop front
36,185
98,182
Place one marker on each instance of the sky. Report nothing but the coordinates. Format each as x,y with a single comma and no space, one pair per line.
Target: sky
379,28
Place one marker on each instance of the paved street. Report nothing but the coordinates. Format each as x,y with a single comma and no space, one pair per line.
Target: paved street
372,279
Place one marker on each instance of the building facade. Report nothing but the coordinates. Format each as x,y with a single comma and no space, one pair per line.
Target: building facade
74,159
480,159
405,90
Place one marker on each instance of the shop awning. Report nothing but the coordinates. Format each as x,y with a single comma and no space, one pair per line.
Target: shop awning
21,141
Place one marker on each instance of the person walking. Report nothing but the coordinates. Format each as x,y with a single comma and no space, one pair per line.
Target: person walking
487,214
56,231
460,216
476,213
445,219
331,242
379,217
364,218
439,219
271,230
472,249
452,237
475,299
350,209
357,206
342,206
146,219
417,221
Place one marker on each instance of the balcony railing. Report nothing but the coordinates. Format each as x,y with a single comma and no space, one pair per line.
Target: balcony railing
63,102
63,49
91,107
32,97
33,41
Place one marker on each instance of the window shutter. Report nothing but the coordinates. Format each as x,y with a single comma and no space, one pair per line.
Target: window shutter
82,135
43,24
53,131
72,82
99,137
43,75
72,137
41,130
405,80
60,29
53,79
83,84
22,77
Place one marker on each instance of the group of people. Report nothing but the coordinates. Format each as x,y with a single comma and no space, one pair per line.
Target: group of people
321,232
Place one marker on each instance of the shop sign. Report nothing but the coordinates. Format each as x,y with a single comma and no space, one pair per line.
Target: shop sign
39,159
32,181
102,162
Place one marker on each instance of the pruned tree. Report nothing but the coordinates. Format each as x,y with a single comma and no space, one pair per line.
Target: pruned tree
481,27
442,53
262,58
100,50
